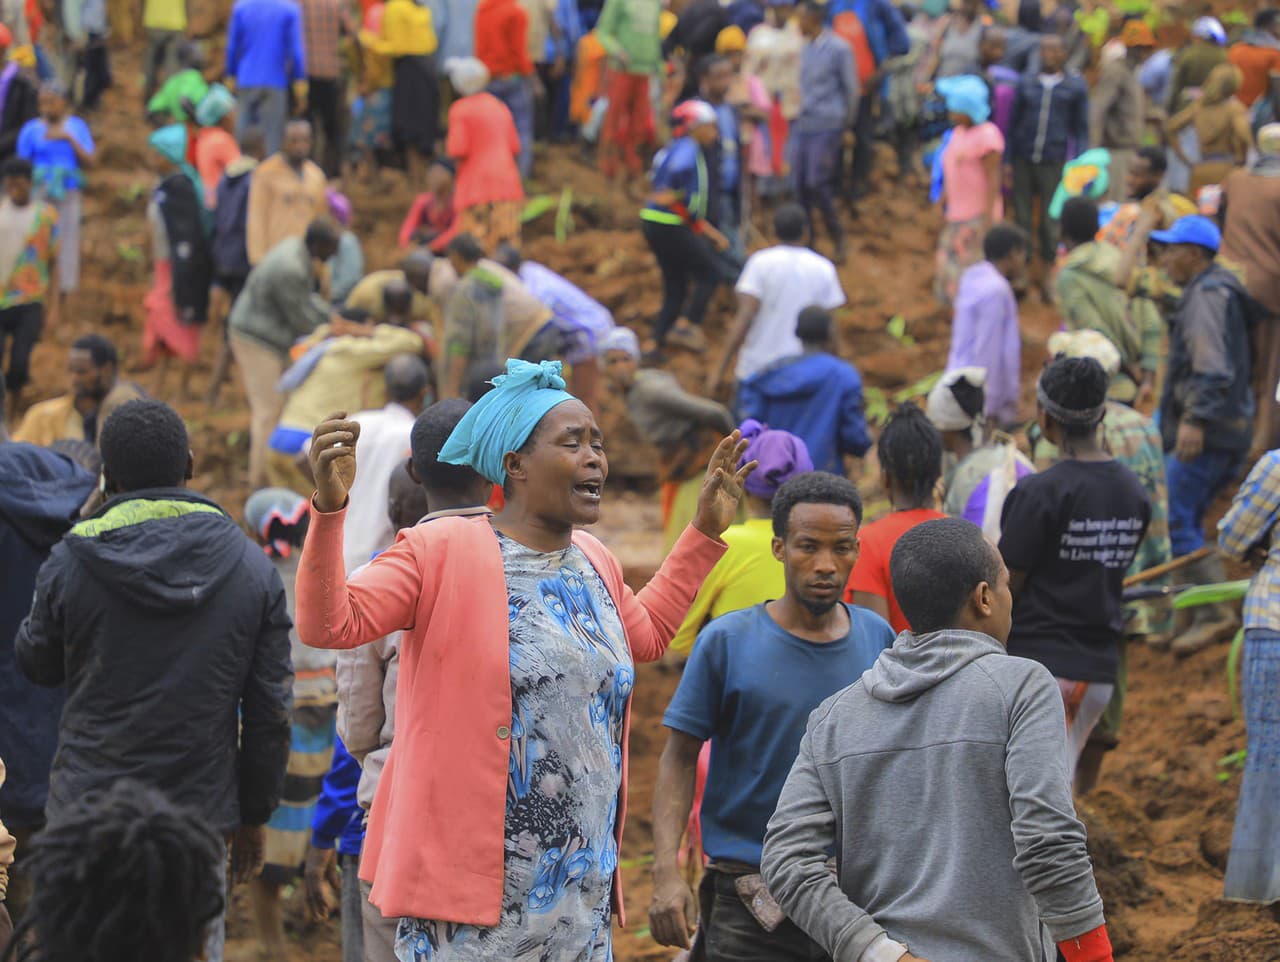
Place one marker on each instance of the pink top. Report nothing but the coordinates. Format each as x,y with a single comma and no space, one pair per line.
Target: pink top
434,848
484,142
215,149
963,175
427,211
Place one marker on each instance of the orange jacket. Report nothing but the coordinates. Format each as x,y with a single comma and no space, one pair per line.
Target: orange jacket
434,849
588,78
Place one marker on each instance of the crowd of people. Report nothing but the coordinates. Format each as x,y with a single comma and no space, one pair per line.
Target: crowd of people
409,684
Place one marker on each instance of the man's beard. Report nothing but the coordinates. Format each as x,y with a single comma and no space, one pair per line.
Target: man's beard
817,608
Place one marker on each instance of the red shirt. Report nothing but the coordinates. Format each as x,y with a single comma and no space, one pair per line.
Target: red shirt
501,38
1255,65
483,140
871,573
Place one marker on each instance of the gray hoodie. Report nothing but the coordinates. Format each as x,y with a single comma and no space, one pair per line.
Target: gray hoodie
940,781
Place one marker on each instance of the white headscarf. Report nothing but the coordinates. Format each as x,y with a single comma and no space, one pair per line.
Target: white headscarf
467,74
944,410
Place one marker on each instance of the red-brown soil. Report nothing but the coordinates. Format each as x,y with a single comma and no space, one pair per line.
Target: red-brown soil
1160,821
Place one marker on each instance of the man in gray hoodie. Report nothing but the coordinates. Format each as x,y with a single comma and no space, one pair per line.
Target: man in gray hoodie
940,781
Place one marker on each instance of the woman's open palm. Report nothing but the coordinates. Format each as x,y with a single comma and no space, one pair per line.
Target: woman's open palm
722,487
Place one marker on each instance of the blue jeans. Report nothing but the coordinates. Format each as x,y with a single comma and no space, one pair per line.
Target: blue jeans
516,92
1192,487
265,107
1253,867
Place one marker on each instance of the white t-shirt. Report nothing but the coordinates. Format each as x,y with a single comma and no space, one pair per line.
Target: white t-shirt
785,280
384,446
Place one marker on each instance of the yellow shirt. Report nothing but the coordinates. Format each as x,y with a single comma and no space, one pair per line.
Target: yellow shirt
349,376
747,574
58,420
406,30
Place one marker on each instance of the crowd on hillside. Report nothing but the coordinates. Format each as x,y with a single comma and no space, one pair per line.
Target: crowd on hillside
408,686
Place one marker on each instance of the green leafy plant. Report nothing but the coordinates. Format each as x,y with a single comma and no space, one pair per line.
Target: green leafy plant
897,329
876,404
1228,765
535,207
919,388
1227,591
564,216
129,253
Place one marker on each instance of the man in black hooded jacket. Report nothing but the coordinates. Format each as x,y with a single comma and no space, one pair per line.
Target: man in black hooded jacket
169,629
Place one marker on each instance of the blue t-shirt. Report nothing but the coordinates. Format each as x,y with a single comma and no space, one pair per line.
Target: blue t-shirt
750,686
57,168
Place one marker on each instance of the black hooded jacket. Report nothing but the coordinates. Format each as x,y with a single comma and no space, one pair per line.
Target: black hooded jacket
170,631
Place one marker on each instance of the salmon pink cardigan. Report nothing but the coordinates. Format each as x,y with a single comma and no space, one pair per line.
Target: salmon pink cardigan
434,848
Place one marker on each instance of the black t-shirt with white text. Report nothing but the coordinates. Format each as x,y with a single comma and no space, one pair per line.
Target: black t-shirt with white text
1074,529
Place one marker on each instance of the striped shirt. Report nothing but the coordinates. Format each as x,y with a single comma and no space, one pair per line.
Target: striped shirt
1250,523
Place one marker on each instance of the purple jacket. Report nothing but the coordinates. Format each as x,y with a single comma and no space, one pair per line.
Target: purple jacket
984,333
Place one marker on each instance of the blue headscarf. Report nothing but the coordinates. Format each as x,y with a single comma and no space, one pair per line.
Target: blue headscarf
503,419
966,95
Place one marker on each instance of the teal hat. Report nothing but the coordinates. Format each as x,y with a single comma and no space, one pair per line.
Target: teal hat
170,142
505,417
966,95
217,103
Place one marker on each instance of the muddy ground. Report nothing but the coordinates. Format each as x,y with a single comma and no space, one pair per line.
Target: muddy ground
1160,821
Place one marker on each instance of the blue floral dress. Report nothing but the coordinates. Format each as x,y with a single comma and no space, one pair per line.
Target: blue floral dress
571,676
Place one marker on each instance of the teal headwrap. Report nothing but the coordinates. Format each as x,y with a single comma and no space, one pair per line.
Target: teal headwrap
966,95
1089,175
171,143
503,419
217,103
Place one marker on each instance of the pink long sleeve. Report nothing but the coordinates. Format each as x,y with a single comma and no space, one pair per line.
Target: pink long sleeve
333,612
653,616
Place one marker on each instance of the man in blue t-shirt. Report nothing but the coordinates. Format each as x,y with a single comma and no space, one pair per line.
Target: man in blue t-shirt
750,684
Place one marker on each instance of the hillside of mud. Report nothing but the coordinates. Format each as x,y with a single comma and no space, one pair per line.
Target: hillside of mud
1160,821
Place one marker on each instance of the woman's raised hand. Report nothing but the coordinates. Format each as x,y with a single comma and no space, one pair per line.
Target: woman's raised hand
333,460
722,488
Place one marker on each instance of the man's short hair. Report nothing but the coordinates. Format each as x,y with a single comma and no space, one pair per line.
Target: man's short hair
1266,19
814,487
1156,157
101,351
322,230
1002,240
18,167
144,444
406,376
934,568
508,256
813,325
1079,220
789,223
430,431
706,63
467,247
813,8
253,139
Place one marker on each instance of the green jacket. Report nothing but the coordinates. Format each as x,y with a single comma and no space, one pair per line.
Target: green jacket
1089,300
279,303
628,30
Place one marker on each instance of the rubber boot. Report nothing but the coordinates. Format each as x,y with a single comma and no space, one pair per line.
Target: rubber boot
1210,623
